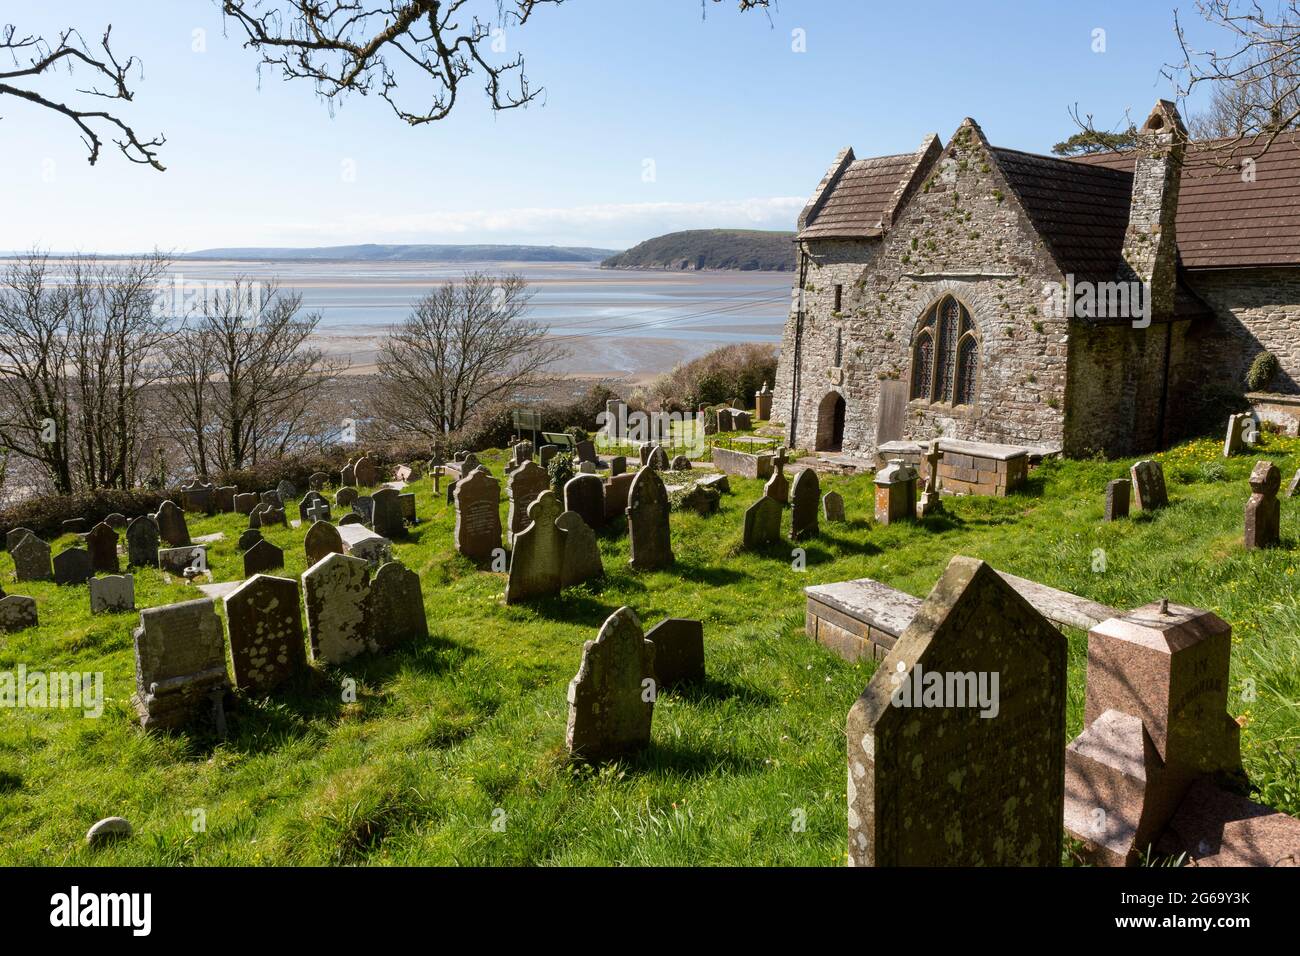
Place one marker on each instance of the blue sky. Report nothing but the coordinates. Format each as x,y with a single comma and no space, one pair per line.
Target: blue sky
739,127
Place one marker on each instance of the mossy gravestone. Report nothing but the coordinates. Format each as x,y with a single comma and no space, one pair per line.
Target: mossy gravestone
647,522
266,646
611,699
956,749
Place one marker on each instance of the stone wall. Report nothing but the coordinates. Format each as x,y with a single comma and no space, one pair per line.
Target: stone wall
1258,311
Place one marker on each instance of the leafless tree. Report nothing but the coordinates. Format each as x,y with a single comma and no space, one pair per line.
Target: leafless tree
466,347
243,374
35,60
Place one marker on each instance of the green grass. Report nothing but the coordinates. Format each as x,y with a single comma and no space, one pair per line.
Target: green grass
447,737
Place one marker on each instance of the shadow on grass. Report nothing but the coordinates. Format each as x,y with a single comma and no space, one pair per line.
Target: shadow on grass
680,759
714,689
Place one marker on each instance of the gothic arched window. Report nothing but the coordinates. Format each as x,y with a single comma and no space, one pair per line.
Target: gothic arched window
945,355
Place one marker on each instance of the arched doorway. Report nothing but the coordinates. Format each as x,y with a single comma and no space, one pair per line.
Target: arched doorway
830,422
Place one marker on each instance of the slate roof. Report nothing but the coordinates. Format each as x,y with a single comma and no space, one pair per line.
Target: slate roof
860,198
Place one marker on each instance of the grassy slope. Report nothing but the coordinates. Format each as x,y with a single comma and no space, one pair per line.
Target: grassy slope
443,735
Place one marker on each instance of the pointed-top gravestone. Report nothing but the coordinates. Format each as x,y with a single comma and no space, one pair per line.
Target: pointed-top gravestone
395,607
536,562
142,540
13,537
585,494
523,485
1149,485
112,594
31,558
386,513
171,525
762,523
265,625
335,591
262,556
478,515
580,559
101,542
611,699
956,748
805,495
647,522
322,539
72,566
657,460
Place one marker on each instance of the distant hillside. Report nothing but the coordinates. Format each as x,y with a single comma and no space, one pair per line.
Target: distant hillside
413,253
744,249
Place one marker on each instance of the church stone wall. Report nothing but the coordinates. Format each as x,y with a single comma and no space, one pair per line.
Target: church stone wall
1258,311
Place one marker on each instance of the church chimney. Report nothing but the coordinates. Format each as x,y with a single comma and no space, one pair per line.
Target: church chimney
1150,241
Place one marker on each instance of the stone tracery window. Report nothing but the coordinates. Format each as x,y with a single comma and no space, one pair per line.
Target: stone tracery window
945,355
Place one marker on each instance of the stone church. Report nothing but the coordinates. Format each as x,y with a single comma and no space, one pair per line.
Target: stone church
1110,303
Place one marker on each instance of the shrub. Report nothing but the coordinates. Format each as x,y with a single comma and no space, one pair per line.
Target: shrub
560,470
1261,371
731,373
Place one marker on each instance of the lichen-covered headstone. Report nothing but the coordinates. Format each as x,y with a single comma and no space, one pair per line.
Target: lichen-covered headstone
112,594
1117,498
762,523
265,624
14,536
580,558
956,748
344,497
395,606
611,698
142,541
536,563
647,522
1263,510
17,613
31,558
1149,485
305,505
334,591
833,506
180,666
805,496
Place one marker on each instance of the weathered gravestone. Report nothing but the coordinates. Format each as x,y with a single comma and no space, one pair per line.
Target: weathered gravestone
537,560
224,498
32,559
585,451
262,556
116,521
72,566
1155,720
245,503
1149,485
1235,441
318,480
406,502
478,515
344,497
272,499
17,613
896,492
319,511
931,502
271,515
762,523
617,465
180,666
73,526
833,506
248,537
719,482
647,522
585,494
198,498
112,593
360,542
778,486
616,492
265,626
546,453
348,476
1263,510
286,490
1117,498
956,747
192,558
657,460
142,540
16,535
101,542
367,471
395,607
386,514
679,651
172,529
310,499
701,499
805,496
322,539
580,552
334,592
364,507
611,698
1293,489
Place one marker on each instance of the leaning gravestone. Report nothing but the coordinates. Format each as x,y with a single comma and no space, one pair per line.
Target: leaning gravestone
112,593
647,522
334,592
32,559
679,651
1293,489
580,558
611,698
386,514
585,494
762,523
322,539
1235,440
171,525
1263,510
1149,485
16,535
72,566
17,612
537,559
478,515
101,542
142,540
523,485
395,607
833,506
1117,498
180,665
265,626
956,748
262,556
805,495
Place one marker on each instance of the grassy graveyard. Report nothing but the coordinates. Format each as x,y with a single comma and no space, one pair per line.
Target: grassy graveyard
453,752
